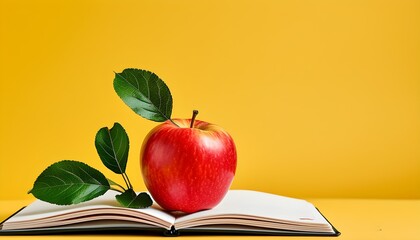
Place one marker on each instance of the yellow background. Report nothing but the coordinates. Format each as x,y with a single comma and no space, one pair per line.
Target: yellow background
321,97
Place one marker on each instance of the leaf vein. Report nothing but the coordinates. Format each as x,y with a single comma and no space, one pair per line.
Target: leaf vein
113,151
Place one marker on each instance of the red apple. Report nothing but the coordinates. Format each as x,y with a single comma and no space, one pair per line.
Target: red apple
188,167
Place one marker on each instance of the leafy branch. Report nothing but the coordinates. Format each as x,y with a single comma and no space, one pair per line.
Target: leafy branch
71,182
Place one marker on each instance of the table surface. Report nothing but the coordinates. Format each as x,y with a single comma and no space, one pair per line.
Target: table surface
354,218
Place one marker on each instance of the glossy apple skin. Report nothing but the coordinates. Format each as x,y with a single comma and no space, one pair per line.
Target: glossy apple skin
188,169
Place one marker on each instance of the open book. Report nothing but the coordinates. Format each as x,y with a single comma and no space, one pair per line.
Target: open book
240,212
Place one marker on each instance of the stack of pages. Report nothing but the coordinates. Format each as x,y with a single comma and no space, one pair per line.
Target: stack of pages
240,212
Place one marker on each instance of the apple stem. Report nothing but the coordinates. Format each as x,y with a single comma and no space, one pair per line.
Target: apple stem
195,112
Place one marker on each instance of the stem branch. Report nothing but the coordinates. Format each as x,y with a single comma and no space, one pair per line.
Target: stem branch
116,184
116,189
125,180
129,183
173,122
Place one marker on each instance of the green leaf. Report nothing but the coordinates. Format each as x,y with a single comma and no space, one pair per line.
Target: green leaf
69,182
131,200
112,147
145,93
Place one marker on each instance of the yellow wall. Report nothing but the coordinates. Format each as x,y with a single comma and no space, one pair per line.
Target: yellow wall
321,97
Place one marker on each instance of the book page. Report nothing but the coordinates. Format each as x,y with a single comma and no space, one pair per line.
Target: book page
107,203
252,205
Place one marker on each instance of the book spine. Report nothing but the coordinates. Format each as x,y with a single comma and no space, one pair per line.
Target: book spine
171,232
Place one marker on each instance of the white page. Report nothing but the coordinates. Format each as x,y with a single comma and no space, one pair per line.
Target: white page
39,209
262,205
